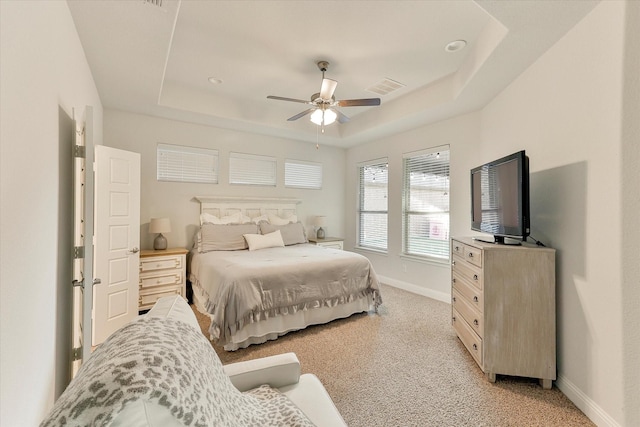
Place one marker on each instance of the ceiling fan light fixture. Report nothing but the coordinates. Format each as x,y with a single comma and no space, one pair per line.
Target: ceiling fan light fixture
328,115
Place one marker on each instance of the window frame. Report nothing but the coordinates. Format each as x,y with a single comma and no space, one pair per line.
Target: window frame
430,249
196,173
316,173
364,244
242,177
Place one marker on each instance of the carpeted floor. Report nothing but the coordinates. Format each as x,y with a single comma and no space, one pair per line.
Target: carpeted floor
405,367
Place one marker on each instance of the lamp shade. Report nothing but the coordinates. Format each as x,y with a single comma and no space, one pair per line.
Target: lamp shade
320,221
159,225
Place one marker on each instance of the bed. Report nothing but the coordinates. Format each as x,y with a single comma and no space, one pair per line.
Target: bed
256,277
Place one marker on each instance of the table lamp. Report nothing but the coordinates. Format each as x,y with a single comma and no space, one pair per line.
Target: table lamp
160,225
320,221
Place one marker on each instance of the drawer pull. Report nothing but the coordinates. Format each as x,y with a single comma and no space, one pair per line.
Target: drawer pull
454,299
453,318
475,322
475,298
453,263
470,254
453,280
475,347
475,277
457,248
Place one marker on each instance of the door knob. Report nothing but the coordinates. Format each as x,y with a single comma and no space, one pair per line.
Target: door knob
134,251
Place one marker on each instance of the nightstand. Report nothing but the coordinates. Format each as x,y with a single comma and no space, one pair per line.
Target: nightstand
162,273
328,242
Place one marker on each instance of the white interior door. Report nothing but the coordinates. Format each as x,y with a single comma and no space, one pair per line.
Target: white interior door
116,240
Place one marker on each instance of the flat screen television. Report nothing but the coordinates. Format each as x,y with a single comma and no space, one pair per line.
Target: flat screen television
500,198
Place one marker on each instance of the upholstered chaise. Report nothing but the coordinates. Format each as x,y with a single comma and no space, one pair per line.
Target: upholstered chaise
159,370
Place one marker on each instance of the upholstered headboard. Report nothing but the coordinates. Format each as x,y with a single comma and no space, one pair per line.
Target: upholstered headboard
251,207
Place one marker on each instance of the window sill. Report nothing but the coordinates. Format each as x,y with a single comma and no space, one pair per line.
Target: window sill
426,260
375,251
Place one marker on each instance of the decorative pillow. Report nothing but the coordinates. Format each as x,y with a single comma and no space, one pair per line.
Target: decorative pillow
291,233
207,218
276,220
257,219
224,237
263,241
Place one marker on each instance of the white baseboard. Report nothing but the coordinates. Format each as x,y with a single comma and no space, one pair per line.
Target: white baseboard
590,408
410,287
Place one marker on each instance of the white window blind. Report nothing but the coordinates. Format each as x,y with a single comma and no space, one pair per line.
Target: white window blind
301,174
426,203
250,169
187,164
372,211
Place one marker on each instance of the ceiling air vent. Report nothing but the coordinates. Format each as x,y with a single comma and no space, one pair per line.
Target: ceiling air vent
154,2
385,87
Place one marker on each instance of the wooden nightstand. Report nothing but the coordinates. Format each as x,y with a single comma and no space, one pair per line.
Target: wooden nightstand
328,242
162,273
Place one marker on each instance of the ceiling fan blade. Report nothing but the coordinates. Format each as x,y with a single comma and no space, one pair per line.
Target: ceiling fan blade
280,98
341,117
358,102
327,89
302,114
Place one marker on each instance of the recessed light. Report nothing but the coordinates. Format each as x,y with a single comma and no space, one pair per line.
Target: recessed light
455,45
214,81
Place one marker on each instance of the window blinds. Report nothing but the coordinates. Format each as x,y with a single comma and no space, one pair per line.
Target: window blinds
186,164
252,169
301,174
426,203
373,190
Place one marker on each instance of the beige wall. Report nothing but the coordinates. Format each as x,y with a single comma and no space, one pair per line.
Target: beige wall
141,134
566,111
44,75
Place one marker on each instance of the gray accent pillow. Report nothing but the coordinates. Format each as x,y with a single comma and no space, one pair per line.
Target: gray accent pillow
225,237
292,233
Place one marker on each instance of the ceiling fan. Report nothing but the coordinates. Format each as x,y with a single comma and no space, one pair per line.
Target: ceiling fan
323,111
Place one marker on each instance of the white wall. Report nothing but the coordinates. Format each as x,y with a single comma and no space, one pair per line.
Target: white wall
566,111
141,134
462,135
44,75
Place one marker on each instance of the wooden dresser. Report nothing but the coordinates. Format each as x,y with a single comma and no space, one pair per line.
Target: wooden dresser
504,308
162,273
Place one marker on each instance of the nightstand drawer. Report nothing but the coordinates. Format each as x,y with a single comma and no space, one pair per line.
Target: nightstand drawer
174,278
161,263
148,299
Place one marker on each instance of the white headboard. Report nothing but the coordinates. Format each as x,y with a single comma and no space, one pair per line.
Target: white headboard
251,207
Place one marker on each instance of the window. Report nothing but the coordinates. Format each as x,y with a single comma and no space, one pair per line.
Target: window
300,174
372,211
251,169
425,210
187,164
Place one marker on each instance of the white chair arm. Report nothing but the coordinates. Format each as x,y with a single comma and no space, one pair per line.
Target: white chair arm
277,371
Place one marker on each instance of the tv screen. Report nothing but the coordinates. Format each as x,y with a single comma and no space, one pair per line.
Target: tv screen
500,197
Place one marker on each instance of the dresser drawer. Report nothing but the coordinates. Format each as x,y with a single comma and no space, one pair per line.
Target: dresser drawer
147,299
468,253
161,263
169,278
472,294
472,316
470,339
468,272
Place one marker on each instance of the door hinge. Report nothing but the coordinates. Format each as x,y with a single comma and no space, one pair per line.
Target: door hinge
77,353
79,151
78,252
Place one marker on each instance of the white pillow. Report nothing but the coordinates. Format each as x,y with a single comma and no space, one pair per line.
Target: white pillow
276,220
235,218
262,217
263,241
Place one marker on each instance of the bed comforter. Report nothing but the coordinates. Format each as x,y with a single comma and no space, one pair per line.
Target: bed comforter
249,286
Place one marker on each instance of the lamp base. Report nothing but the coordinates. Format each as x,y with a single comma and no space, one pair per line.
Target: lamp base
320,233
160,243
